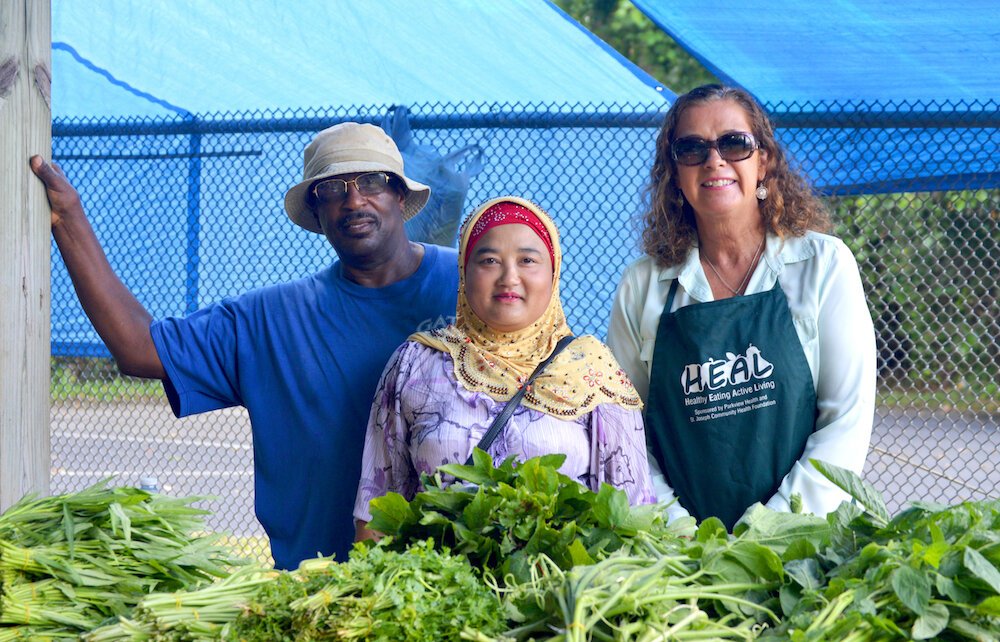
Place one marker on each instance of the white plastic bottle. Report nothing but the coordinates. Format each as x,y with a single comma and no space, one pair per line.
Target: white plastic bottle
149,484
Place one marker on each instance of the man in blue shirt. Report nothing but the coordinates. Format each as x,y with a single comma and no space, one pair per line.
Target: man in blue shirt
303,357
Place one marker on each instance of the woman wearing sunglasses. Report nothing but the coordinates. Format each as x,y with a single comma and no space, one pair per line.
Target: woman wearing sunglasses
744,327
443,390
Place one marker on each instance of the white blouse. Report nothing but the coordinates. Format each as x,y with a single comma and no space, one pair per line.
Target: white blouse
821,281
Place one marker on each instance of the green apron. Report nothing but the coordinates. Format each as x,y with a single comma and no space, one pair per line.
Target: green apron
731,401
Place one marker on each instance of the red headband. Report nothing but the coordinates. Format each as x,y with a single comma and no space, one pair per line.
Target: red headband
507,213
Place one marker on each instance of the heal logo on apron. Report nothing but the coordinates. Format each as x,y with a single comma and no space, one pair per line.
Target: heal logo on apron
731,401
738,382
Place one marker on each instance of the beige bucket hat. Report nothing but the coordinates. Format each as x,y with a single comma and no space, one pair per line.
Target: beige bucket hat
347,148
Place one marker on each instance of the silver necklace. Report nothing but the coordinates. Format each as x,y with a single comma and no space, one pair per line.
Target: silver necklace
746,277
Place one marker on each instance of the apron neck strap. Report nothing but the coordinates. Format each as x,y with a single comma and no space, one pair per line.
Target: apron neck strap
670,296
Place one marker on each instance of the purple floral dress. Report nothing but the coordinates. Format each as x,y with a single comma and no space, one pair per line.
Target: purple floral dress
421,418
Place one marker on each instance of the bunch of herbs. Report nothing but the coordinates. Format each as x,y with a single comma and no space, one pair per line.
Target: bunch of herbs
420,594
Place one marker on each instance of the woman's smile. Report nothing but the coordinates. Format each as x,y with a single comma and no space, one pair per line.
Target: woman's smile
715,183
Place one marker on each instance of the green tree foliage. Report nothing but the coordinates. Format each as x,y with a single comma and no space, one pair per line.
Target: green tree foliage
929,262
632,34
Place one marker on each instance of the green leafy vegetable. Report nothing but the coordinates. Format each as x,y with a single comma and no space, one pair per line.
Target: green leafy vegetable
501,518
856,487
379,595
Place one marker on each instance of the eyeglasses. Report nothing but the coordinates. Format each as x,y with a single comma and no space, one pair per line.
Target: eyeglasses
694,150
335,189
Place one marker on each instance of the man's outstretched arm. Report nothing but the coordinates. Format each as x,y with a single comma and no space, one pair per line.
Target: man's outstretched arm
119,318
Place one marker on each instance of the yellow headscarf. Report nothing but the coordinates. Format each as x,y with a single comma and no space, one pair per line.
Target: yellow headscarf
582,376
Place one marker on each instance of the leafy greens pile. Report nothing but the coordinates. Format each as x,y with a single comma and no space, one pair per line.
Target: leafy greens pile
583,566
516,552
502,518
930,573
69,562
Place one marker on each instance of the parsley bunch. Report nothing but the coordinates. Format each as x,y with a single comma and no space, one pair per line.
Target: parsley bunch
418,595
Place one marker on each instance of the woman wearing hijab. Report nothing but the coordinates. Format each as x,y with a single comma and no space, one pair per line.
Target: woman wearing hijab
745,328
442,389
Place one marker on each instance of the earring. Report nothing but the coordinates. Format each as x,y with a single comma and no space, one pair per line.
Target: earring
761,192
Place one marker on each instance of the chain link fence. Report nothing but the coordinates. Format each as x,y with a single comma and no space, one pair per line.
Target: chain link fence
190,211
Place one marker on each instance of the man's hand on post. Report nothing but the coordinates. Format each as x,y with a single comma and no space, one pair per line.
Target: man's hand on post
63,197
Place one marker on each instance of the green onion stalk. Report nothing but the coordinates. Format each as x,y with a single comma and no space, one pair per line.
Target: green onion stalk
201,613
69,563
630,598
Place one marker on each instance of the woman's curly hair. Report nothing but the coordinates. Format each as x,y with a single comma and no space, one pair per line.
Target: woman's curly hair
669,228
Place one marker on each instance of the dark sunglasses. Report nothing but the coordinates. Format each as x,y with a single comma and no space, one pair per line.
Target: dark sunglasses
335,189
694,150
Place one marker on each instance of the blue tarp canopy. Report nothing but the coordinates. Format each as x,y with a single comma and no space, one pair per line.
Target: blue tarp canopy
136,59
860,80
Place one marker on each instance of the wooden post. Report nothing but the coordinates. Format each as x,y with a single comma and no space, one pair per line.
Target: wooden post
25,129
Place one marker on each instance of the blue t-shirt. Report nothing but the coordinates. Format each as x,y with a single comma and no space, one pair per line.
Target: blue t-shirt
304,358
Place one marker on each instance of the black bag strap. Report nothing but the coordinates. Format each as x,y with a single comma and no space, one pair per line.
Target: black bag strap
515,401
